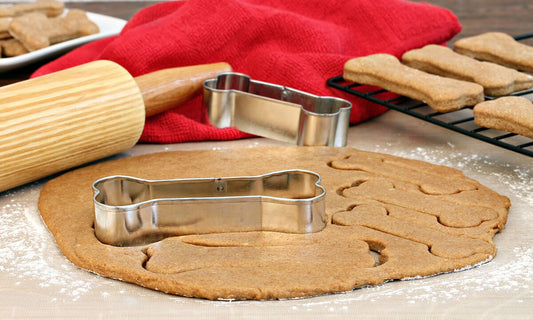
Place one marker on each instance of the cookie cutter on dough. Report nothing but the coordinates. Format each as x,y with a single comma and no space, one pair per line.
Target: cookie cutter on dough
131,211
276,112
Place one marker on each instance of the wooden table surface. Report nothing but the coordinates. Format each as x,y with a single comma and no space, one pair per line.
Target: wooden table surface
476,16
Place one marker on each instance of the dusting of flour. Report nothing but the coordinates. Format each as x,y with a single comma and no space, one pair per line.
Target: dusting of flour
29,253
505,178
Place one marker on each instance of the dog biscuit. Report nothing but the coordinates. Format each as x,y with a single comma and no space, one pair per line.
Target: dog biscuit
497,80
51,8
386,71
512,114
4,28
12,47
36,31
499,48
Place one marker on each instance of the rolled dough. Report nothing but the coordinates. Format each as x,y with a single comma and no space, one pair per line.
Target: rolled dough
390,218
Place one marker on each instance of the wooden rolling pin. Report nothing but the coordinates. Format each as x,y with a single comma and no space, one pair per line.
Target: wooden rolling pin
65,119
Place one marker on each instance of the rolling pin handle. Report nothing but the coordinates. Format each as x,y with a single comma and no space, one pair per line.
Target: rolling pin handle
168,88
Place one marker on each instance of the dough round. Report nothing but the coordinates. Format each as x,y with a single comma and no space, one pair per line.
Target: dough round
389,218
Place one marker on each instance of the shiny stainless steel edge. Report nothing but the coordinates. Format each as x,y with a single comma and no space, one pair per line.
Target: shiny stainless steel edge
276,112
132,211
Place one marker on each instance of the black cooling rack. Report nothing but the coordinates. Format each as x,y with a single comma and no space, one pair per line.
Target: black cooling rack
461,121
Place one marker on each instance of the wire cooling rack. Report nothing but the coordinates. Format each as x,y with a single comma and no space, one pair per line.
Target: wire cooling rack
461,121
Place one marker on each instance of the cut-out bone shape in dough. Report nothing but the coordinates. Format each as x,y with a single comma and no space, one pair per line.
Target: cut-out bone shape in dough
449,213
440,243
431,179
37,31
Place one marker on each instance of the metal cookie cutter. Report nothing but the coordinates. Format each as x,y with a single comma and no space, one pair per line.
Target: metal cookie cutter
131,211
275,111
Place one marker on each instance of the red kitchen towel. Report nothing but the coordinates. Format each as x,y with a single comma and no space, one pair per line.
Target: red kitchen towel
298,44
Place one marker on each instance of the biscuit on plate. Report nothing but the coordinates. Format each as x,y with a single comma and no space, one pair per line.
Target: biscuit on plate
36,31
50,8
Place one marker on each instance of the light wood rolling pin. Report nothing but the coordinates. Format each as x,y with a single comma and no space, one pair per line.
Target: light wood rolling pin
62,120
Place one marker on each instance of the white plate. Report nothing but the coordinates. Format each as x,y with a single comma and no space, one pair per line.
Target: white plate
109,26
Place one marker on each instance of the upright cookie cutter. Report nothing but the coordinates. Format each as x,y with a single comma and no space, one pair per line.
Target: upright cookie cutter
131,211
276,112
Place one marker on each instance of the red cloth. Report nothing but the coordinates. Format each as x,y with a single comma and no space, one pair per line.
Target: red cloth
299,44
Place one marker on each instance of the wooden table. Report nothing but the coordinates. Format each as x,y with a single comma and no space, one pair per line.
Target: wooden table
36,281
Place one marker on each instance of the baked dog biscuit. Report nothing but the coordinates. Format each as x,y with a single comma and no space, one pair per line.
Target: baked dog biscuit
12,47
497,80
36,31
512,114
499,48
4,28
51,8
386,71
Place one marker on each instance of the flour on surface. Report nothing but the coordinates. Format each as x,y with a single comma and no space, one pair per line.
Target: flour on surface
28,251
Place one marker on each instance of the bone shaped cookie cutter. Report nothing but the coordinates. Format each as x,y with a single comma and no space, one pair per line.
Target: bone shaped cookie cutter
276,112
131,211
